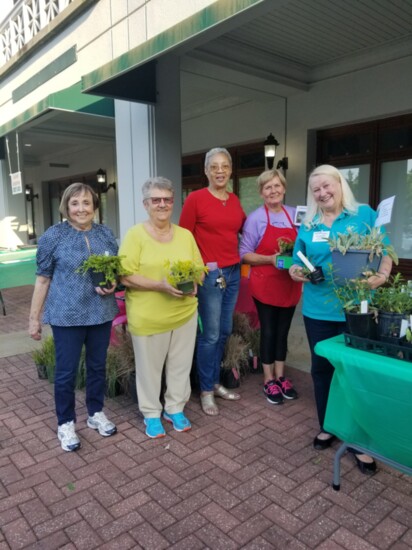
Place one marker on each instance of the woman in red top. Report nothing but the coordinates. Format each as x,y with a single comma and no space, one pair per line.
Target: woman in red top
215,217
273,291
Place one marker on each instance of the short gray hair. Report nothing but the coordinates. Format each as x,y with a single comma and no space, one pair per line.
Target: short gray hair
216,151
156,183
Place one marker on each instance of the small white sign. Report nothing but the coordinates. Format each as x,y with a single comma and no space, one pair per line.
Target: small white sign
299,214
320,236
385,211
16,185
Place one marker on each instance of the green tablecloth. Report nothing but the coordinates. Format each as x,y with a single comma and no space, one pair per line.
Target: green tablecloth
17,268
370,400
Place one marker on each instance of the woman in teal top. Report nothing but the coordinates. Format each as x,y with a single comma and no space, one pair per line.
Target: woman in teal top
332,209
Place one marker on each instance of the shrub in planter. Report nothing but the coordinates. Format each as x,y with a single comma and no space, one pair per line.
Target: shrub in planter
355,253
235,361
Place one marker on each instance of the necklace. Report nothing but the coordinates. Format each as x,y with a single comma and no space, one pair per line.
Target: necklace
223,201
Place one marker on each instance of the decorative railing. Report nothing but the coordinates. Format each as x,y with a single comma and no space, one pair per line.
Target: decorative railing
26,19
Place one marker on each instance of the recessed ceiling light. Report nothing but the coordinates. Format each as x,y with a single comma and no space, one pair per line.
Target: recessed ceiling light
27,144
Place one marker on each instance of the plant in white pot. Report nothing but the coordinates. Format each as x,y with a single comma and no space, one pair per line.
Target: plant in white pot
356,253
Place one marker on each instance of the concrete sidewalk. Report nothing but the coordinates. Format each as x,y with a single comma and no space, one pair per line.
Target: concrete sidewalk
248,478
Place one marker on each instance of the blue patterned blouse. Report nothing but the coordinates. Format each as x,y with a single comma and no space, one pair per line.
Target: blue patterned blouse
72,299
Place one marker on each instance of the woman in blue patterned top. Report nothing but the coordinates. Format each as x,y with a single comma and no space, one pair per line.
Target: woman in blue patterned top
79,313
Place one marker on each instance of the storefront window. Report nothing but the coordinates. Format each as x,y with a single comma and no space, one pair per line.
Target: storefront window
396,179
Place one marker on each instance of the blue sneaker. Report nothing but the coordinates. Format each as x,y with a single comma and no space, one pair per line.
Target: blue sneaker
154,428
179,421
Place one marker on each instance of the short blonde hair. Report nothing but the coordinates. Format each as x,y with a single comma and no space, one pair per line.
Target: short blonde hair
268,175
73,190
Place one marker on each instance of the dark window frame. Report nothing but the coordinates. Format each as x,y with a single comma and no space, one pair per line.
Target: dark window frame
375,157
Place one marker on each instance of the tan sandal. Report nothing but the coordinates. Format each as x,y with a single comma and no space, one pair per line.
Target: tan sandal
207,401
224,393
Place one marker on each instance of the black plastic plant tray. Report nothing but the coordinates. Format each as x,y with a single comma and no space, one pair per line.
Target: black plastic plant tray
380,348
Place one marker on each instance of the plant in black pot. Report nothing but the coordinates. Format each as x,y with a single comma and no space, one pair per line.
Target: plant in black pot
394,303
235,361
45,358
357,301
354,253
183,274
104,269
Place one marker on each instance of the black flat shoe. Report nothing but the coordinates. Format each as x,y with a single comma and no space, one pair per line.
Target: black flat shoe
322,444
367,468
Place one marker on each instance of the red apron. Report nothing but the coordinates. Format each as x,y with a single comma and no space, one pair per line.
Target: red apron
268,284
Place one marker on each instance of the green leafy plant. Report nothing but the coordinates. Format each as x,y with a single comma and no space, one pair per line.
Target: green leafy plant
119,364
351,294
408,335
110,266
373,242
184,270
394,296
45,358
285,246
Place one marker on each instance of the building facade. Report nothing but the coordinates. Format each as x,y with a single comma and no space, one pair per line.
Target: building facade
132,87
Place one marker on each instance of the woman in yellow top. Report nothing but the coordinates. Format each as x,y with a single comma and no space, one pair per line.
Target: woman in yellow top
161,319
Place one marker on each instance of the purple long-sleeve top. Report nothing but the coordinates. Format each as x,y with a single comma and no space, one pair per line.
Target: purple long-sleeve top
255,226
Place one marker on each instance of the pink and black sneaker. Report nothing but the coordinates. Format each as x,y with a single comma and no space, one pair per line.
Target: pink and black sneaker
286,388
273,393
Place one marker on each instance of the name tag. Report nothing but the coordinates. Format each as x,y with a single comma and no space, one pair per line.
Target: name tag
320,236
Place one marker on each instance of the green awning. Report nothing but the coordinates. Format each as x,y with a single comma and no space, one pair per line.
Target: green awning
68,99
111,79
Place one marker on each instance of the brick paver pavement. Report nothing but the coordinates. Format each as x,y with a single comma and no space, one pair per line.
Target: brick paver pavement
248,478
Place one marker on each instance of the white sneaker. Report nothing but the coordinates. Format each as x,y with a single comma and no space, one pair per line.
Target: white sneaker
68,437
100,422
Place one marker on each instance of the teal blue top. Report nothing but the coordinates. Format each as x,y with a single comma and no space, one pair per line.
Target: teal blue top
319,301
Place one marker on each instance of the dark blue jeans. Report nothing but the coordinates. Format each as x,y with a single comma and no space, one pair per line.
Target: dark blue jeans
216,308
69,342
322,370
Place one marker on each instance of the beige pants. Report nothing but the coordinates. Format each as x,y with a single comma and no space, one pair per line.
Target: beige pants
174,351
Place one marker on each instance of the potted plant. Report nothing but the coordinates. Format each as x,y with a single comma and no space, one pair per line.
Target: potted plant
45,358
357,301
354,253
104,269
284,258
120,369
394,304
183,274
235,361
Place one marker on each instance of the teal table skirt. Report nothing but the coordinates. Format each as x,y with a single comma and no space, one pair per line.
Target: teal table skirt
370,400
17,268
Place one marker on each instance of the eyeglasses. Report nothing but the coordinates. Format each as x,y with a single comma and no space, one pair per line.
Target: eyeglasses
220,168
157,200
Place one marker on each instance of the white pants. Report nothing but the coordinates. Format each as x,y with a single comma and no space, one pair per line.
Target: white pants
174,351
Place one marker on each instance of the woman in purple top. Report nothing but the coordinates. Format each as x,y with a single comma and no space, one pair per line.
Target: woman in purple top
273,291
